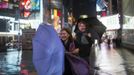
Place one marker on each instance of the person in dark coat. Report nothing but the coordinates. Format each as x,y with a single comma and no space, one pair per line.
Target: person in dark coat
70,47
84,39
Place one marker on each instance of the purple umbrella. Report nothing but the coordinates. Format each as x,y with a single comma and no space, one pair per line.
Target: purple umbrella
48,51
78,65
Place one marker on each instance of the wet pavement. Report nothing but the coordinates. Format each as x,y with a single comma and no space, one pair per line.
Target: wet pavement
16,62
111,61
128,56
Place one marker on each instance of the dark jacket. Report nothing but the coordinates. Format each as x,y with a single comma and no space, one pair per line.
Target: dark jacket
70,44
84,43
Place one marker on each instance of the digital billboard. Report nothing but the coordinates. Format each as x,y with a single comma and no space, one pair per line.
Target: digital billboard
35,4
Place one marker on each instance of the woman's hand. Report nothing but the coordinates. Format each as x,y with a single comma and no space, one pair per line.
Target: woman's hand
75,51
89,34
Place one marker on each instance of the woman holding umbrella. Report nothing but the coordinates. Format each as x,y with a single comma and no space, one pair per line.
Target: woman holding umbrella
84,39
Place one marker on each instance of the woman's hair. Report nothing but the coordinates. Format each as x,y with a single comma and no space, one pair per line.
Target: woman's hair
80,21
69,32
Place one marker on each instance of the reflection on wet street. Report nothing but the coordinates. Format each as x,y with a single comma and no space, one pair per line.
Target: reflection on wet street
110,62
16,63
128,56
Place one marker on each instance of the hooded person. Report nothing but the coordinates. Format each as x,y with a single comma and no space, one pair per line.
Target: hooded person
48,50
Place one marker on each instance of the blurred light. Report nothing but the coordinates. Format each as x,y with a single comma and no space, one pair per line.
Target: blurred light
23,3
59,13
83,16
52,16
35,4
26,14
69,18
55,12
27,4
5,0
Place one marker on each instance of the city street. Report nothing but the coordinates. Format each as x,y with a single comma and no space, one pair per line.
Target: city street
16,62
109,22
110,62
128,57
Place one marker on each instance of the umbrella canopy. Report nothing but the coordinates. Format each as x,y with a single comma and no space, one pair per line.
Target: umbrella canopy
48,51
78,65
94,23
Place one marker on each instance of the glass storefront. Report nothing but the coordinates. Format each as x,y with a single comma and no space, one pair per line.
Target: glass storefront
128,23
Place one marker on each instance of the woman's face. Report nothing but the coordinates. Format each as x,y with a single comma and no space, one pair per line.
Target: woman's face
82,27
64,35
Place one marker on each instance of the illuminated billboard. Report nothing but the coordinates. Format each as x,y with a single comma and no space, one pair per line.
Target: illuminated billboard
30,5
35,4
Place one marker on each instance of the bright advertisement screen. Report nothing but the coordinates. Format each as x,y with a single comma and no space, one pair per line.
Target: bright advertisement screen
35,4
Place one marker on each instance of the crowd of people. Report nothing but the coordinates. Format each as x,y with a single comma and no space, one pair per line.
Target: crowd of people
55,54
78,45
81,43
